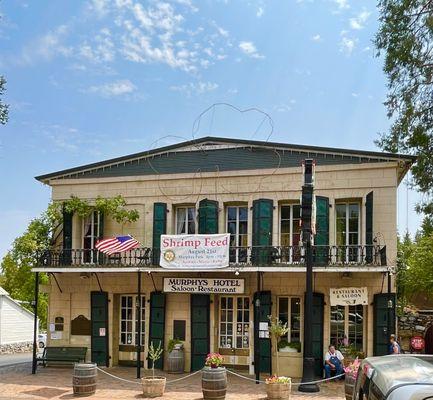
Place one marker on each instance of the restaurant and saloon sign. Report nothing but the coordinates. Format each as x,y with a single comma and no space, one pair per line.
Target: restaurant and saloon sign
348,296
204,285
195,251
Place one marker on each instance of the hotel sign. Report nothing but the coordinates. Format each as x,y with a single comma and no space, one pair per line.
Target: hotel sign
204,285
195,251
348,296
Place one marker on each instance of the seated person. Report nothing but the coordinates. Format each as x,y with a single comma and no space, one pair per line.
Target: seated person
333,362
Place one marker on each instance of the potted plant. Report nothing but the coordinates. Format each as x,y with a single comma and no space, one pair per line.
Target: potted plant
285,346
277,387
351,373
154,386
175,358
214,377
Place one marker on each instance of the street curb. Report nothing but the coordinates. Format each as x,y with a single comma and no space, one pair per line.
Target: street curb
22,366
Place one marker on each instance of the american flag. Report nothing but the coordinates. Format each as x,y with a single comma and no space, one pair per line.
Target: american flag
117,244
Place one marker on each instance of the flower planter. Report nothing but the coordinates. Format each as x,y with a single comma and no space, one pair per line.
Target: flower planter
176,361
153,386
288,349
278,391
214,383
349,384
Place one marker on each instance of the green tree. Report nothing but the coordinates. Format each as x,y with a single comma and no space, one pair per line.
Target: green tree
419,276
17,277
4,108
405,37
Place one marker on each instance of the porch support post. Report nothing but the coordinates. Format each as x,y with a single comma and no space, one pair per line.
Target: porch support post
35,323
256,331
139,324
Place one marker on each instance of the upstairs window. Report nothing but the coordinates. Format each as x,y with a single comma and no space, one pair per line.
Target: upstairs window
237,226
348,231
290,232
91,226
185,220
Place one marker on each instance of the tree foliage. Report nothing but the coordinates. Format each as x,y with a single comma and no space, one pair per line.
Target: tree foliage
415,263
405,37
4,108
17,277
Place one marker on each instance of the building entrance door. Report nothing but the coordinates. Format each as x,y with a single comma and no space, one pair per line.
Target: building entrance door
99,321
200,346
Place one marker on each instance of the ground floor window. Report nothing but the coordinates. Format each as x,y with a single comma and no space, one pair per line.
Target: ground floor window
347,326
289,311
129,319
234,322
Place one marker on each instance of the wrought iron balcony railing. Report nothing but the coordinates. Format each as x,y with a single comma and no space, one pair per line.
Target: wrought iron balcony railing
239,256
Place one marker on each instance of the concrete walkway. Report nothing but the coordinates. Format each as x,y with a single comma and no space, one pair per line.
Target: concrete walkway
56,383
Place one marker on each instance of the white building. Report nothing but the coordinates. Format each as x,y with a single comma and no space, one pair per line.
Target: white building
16,322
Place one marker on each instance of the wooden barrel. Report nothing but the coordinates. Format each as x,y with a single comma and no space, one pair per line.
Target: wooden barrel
214,383
278,391
349,384
176,361
84,379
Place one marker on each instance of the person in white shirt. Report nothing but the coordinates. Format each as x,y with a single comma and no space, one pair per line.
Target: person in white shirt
333,362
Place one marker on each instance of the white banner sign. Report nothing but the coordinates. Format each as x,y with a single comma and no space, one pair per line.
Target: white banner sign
348,296
195,251
204,285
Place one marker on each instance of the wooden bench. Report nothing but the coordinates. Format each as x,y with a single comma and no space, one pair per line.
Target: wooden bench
63,355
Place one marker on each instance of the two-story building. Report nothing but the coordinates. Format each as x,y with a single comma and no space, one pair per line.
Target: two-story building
252,190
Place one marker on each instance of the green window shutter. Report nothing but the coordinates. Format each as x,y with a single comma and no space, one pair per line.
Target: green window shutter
383,322
208,216
321,239
369,228
262,231
157,325
159,228
66,258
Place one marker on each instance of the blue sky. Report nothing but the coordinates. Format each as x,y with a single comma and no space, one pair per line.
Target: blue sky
89,80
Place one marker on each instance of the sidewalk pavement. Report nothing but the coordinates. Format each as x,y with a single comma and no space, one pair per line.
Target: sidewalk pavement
54,383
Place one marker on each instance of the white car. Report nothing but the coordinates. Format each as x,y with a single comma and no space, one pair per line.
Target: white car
42,340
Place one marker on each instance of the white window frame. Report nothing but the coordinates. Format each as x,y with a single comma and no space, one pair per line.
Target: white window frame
347,205
291,205
93,236
289,316
346,324
235,322
237,228
134,320
186,208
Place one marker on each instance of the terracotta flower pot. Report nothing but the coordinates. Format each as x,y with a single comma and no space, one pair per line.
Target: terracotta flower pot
153,386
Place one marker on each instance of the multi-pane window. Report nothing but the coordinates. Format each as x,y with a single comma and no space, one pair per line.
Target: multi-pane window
185,220
234,322
289,311
290,232
129,314
237,226
347,325
90,236
348,231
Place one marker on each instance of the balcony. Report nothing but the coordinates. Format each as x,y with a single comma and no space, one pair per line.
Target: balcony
263,256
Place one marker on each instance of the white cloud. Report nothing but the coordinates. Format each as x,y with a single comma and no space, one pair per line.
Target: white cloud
260,12
114,89
342,4
354,94
347,45
250,49
195,88
359,21
316,38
